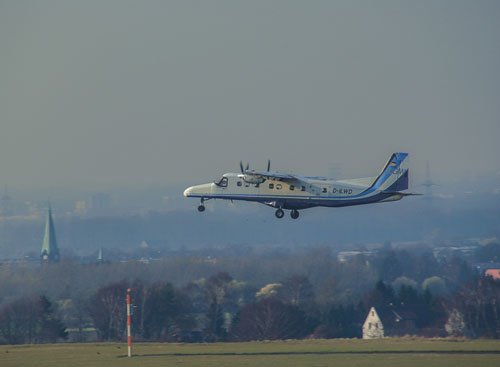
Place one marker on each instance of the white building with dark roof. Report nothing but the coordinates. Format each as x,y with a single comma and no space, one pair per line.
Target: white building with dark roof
373,327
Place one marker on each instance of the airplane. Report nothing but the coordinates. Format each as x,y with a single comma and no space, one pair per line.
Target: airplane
294,192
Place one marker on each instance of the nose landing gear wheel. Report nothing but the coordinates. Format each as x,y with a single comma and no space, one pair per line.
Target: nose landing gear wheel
279,213
294,213
201,207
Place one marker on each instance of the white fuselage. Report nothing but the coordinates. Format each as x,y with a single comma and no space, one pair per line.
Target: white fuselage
305,193
290,191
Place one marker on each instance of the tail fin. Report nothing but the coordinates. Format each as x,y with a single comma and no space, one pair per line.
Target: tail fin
394,175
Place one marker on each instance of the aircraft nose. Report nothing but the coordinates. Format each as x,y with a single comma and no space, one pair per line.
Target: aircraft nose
188,191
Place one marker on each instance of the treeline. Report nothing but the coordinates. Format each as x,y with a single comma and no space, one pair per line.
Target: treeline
30,320
223,309
272,296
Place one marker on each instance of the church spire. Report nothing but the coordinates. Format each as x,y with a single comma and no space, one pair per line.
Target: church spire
50,251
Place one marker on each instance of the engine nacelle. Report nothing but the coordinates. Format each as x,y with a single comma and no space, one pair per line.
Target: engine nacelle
252,179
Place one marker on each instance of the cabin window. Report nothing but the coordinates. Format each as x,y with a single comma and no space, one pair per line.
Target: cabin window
324,189
271,186
238,183
302,188
278,186
292,187
373,313
376,325
369,325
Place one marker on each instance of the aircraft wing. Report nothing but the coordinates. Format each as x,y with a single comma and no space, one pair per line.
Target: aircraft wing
273,175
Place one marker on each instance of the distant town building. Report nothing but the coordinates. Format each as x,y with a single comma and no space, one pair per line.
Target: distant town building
373,327
100,202
6,204
100,259
494,273
81,207
344,256
488,269
32,207
50,250
443,252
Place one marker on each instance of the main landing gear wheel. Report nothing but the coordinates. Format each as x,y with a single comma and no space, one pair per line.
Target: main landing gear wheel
279,213
294,213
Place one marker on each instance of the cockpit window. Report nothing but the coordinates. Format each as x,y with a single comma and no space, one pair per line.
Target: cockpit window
222,182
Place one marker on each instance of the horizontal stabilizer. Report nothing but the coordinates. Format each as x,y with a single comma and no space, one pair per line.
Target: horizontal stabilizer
403,193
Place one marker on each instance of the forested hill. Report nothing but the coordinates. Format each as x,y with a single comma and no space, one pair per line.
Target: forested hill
411,219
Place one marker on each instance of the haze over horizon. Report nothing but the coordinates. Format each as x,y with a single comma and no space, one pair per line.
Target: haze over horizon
124,93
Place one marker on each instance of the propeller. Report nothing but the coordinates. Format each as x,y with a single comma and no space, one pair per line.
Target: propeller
252,177
244,169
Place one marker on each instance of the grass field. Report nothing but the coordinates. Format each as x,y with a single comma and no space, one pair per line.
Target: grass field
336,352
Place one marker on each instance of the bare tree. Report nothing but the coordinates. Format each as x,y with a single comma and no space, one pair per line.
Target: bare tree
30,320
270,319
166,313
478,302
107,309
296,290
217,289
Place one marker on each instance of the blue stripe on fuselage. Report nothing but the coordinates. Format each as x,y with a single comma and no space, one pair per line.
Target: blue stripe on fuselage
301,202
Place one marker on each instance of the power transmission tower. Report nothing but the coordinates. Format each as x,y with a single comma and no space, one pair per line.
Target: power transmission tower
428,183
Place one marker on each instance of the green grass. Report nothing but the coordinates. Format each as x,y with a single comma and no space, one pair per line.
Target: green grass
337,352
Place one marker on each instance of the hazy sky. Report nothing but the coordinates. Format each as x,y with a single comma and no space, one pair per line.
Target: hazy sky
136,93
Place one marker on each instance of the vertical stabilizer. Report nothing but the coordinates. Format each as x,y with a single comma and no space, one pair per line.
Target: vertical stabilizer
394,175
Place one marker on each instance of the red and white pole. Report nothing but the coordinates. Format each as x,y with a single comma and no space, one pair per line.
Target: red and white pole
129,325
